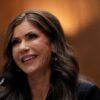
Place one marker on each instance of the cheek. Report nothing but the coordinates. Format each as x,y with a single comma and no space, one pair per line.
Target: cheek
46,56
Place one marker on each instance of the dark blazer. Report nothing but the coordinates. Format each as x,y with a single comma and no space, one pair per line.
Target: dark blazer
85,91
88,91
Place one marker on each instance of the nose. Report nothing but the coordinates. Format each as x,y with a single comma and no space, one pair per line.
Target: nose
23,47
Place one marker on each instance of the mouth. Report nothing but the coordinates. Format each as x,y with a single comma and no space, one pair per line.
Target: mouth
28,58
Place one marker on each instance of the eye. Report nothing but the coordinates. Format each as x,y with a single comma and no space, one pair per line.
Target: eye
32,35
15,42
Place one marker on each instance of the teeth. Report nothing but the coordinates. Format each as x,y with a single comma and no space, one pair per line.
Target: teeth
26,59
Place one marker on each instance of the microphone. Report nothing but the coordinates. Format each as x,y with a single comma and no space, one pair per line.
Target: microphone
5,79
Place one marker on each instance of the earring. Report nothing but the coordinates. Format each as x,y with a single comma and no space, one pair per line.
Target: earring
54,57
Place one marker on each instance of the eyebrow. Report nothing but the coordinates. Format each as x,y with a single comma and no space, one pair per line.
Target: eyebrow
14,38
31,32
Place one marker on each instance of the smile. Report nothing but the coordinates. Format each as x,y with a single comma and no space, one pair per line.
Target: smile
28,58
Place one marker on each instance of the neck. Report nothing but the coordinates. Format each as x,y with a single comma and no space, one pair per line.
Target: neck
39,84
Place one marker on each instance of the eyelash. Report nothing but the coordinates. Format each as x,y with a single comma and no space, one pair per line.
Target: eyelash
14,42
32,36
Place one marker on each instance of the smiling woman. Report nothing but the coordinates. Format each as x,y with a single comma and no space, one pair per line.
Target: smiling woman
40,64
28,48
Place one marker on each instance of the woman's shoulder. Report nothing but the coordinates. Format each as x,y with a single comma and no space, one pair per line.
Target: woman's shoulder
88,91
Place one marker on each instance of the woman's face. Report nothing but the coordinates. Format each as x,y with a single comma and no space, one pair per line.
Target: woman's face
31,49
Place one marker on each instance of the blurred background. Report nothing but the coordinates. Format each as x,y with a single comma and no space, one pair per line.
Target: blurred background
81,23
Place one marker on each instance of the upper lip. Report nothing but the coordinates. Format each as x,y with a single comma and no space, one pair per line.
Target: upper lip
27,57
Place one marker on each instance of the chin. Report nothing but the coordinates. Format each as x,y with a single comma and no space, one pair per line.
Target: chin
30,71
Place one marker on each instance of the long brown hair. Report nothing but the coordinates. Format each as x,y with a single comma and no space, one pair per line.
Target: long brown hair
64,70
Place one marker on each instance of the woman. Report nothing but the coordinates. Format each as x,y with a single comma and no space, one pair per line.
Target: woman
39,62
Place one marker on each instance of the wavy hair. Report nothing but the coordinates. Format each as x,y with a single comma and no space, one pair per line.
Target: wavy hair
64,66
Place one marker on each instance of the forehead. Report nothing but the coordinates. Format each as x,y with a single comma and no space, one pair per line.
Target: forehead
24,28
